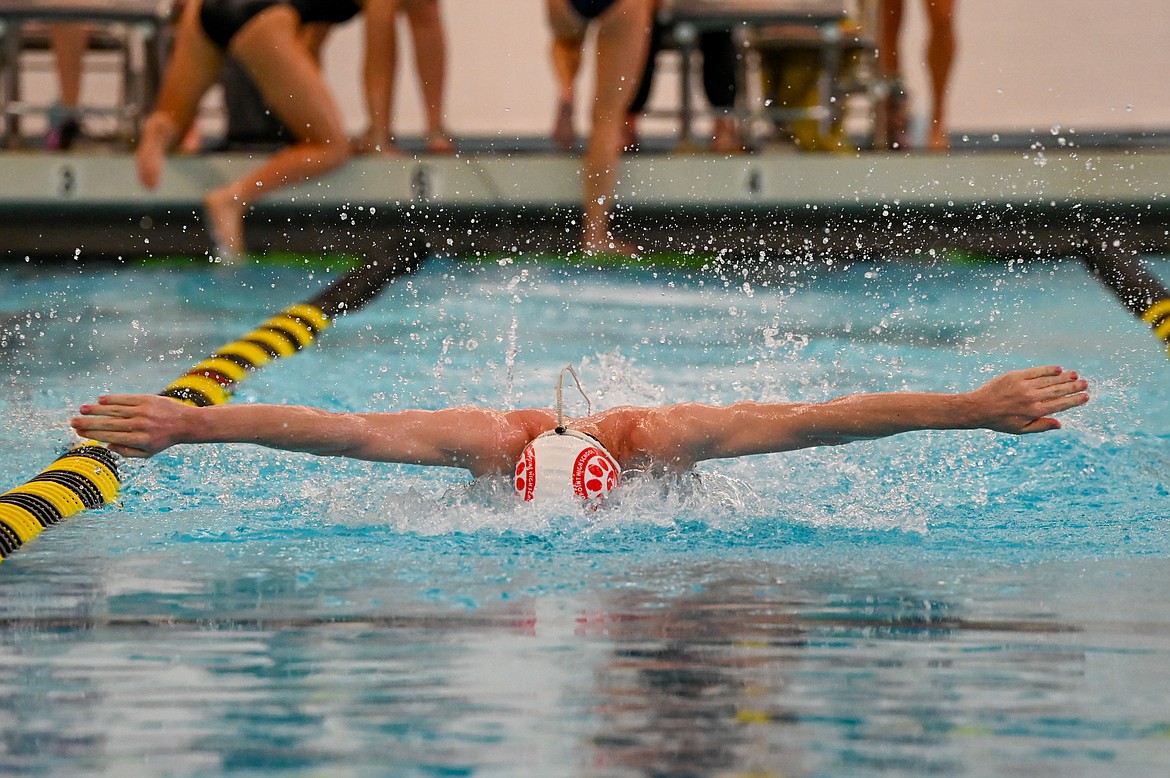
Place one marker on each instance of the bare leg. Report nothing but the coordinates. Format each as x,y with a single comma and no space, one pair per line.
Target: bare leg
893,122
313,36
69,41
430,58
630,142
940,56
568,36
719,83
380,76
623,37
193,68
292,85
889,28
725,136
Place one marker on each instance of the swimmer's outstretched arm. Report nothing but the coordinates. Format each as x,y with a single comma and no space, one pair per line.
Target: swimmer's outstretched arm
1019,402
479,439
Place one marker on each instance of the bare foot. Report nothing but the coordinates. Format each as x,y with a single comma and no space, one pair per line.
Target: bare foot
440,143
387,149
726,138
898,129
630,142
609,246
192,142
158,134
938,140
225,225
368,144
563,134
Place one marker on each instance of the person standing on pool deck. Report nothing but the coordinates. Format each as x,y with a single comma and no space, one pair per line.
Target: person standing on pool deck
623,37
430,58
552,455
263,36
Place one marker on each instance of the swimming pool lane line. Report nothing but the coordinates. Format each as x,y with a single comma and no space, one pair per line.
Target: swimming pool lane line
213,381
86,476
1136,287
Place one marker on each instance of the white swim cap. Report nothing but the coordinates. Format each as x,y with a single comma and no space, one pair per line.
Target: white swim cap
565,462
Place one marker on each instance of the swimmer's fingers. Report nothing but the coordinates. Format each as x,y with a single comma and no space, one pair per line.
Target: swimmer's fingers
1051,376
1076,394
117,405
87,425
1038,384
117,433
1024,401
1045,424
1068,384
125,442
1037,373
126,450
1072,396
132,425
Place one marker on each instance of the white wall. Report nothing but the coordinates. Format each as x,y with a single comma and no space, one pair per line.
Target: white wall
1027,64
498,73
1022,64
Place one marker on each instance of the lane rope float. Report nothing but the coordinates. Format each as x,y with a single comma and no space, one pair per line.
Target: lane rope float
86,476
214,380
1136,287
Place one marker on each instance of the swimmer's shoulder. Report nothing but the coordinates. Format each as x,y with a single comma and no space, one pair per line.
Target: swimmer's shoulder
538,419
663,439
628,433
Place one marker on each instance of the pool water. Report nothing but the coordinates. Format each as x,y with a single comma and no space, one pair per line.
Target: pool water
942,603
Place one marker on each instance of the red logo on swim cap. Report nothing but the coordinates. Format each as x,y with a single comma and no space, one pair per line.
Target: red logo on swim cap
526,474
594,474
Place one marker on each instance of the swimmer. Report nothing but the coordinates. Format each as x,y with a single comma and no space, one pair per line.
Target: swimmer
430,57
267,38
621,41
551,454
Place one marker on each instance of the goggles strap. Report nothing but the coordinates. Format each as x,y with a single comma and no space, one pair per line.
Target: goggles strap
561,397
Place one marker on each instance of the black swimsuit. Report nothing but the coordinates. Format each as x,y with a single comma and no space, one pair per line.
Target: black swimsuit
222,19
591,9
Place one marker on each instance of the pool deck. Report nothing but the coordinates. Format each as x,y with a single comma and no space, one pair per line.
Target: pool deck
1001,203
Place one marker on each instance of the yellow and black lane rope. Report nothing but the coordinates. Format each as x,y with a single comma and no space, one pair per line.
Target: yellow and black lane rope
86,476
212,381
1136,287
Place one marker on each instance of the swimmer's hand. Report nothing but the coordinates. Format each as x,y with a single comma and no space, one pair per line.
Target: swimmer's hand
134,425
1024,401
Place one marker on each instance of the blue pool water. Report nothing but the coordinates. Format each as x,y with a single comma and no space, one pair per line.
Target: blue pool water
937,603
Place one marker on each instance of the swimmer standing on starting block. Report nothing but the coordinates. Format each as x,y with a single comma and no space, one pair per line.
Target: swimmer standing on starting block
552,455
270,40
